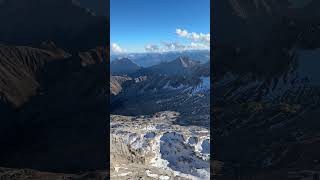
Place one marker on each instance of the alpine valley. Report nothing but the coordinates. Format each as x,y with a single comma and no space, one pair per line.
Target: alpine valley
160,118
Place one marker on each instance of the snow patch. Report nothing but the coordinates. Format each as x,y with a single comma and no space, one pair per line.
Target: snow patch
204,86
178,149
149,174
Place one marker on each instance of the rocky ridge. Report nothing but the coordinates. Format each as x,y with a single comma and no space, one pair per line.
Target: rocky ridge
273,117
36,83
154,147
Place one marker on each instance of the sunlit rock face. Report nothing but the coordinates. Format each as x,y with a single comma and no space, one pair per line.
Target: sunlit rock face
155,147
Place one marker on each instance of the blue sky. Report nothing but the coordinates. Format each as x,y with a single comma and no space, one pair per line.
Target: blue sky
159,25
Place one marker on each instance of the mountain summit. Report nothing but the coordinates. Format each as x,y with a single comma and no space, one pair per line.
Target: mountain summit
185,62
123,66
181,65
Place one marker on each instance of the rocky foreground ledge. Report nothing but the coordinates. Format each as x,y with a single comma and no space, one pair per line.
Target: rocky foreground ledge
30,174
154,147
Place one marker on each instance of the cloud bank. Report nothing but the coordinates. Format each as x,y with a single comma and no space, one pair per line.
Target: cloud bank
152,48
195,37
115,48
197,41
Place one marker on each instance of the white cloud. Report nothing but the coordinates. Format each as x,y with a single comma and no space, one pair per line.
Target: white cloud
115,48
199,46
195,37
173,46
152,48
165,46
176,46
197,41
182,33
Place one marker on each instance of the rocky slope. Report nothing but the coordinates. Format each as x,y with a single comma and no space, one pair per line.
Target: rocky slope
19,69
52,89
155,89
160,122
273,117
29,174
116,83
265,103
154,147
46,90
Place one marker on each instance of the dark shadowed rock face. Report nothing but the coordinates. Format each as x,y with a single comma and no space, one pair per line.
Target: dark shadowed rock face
19,71
259,36
53,95
53,108
28,174
260,23
62,21
100,7
265,110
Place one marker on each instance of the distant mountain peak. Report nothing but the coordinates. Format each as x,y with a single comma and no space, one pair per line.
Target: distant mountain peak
123,66
186,62
124,61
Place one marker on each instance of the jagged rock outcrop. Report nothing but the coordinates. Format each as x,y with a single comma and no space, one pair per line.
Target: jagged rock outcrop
116,83
153,146
94,56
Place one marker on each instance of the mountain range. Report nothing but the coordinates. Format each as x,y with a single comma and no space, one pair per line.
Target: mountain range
160,120
150,59
172,80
